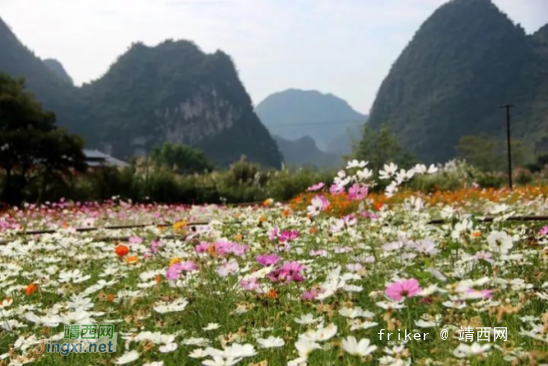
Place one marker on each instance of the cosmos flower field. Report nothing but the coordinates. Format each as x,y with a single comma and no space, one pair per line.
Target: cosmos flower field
321,280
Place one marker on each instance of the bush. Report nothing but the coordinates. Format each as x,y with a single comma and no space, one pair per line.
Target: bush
522,176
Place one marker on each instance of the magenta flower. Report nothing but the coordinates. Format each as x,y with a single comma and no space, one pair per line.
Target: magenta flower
189,266
202,247
357,192
318,253
223,248
155,246
316,187
176,270
288,235
250,285
290,271
544,230
310,295
336,189
403,289
273,235
267,259
369,215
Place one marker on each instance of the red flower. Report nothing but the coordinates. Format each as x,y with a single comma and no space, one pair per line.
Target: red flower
121,250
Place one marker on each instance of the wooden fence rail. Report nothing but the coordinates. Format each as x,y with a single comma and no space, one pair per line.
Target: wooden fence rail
202,223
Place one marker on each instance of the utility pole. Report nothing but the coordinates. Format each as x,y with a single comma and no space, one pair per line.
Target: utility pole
507,107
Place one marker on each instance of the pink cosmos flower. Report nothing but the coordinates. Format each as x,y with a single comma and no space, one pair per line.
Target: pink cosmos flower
318,253
155,246
316,187
319,203
483,255
369,215
135,240
223,248
250,285
336,189
228,268
357,192
544,230
288,235
176,270
290,271
273,235
267,259
310,295
202,247
403,289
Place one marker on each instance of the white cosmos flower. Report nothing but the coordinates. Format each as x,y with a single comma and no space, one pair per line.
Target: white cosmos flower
425,324
476,349
175,306
355,164
500,242
324,334
128,357
388,171
47,321
80,317
357,324
356,312
80,302
198,353
307,319
305,346
170,347
212,326
271,342
362,348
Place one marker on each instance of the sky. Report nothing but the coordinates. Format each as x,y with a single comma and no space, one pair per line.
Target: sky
343,47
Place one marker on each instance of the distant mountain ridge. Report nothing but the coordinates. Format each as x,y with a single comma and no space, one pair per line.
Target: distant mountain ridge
466,60
58,69
294,113
304,152
171,92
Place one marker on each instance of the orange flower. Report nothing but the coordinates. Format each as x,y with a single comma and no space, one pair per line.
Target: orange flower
272,294
286,212
212,251
476,234
262,218
174,260
268,202
121,250
179,225
238,237
110,297
157,278
30,289
132,259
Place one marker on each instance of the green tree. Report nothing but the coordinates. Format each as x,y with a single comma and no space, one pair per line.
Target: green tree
490,155
181,158
480,151
31,145
379,148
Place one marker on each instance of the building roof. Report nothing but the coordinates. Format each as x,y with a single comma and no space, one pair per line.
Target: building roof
97,158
